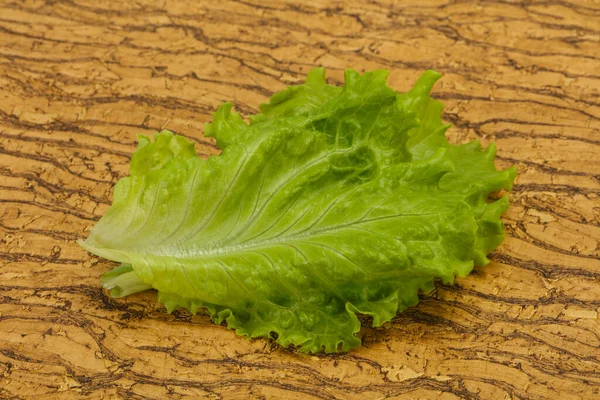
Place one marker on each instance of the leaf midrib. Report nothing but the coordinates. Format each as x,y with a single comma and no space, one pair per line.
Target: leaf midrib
240,248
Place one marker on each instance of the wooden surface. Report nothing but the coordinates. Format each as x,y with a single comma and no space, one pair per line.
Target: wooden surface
78,80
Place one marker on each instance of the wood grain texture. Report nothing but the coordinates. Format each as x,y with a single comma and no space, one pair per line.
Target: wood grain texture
78,80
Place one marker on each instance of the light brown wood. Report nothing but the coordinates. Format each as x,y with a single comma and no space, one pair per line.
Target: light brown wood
78,80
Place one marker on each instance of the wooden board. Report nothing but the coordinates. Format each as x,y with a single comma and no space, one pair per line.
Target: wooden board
78,80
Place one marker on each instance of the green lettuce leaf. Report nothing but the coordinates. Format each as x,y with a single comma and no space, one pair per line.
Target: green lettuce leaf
332,201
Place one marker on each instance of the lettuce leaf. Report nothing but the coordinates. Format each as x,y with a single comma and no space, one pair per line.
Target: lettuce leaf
332,201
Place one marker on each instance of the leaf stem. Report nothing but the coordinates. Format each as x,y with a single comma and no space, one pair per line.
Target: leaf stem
123,281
